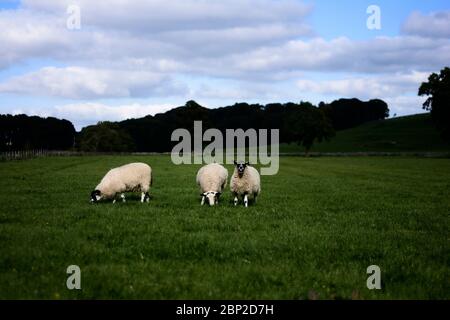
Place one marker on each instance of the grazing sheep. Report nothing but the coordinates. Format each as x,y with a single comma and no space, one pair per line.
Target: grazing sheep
244,182
131,177
212,179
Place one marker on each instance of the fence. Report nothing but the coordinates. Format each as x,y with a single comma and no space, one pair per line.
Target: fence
21,154
28,154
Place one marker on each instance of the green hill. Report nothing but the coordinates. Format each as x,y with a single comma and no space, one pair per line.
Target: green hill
402,134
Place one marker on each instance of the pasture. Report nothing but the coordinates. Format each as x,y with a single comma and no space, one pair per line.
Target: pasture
415,133
317,226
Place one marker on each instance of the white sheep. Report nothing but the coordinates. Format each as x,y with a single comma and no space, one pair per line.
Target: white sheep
244,182
132,177
212,179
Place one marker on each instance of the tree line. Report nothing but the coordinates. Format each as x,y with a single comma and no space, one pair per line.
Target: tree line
22,132
302,123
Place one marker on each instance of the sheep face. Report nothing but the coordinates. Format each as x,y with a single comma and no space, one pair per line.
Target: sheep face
96,196
212,197
240,167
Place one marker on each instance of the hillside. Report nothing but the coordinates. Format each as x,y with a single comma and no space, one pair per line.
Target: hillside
402,134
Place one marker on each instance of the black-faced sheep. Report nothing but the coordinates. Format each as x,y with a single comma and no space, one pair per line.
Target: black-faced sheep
245,182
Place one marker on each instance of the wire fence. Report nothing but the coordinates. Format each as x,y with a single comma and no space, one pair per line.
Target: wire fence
29,154
21,154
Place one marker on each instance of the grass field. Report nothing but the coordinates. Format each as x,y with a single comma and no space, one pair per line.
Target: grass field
415,133
316,228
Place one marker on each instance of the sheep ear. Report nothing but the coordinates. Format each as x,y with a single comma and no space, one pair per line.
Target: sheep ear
235,163
218,193
247,163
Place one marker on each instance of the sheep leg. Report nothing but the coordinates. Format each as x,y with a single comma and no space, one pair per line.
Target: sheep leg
203,200
123,197
142,197
245,200
255,196
236,200
115,199
147,197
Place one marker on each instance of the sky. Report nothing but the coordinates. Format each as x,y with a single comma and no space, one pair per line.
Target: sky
89,61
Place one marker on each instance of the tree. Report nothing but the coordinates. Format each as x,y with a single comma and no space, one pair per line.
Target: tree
105,137
20,132
349,113
302,123
438,103
306,124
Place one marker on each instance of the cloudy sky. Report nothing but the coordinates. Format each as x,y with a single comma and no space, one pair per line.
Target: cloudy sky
132,58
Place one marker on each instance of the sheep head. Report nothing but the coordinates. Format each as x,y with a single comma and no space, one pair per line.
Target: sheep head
96,195
240,167
212,197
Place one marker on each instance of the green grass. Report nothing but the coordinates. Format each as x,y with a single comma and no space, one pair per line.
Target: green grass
415,133
317,226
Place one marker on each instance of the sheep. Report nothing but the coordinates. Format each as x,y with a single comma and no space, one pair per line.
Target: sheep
212,179
131,177
244,182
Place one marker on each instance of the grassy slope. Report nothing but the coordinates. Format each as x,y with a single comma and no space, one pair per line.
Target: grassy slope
317,226
403,134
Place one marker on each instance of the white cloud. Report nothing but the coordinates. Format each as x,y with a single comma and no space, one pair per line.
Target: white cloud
379,55
399,91
434,25
82,114
155,29
98,111
247,39
404,105
240,91
155,16
27,35
387,85
83,83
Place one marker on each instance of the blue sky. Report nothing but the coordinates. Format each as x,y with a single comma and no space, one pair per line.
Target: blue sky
144,57
343,18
